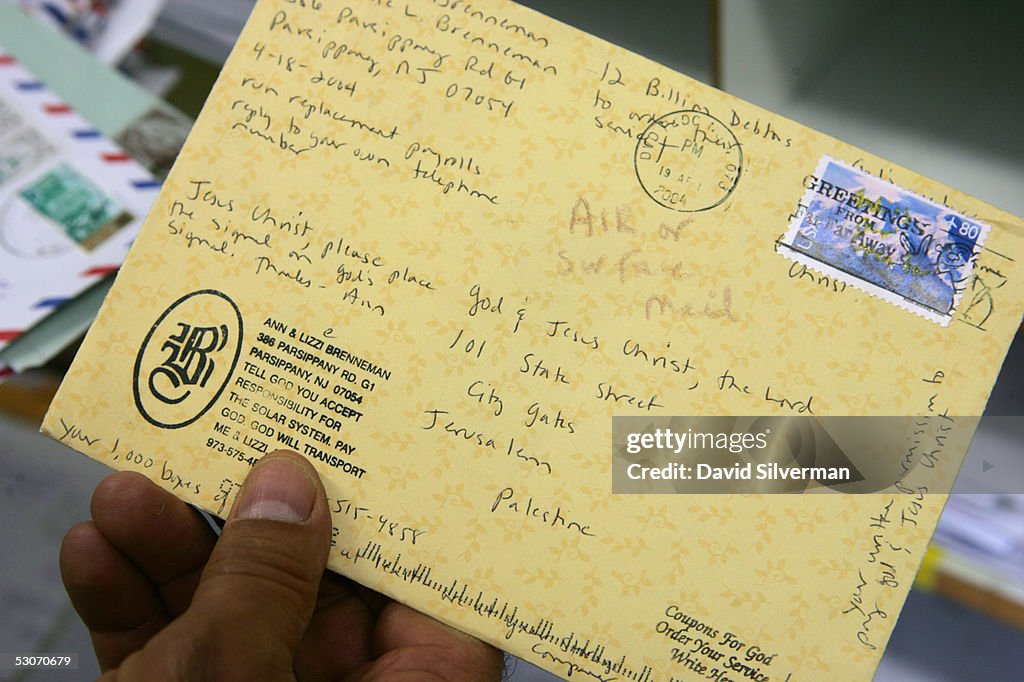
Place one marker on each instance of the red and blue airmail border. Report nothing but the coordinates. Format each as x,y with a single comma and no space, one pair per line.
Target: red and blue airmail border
883,239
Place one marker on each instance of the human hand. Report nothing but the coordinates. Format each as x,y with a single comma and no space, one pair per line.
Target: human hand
165,599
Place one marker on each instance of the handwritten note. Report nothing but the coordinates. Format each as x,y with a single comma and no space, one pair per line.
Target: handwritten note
435,246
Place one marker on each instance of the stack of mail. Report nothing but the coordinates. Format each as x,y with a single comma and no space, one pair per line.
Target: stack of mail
61,106
71,202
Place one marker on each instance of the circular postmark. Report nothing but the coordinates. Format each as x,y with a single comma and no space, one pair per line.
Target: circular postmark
688,161
187,359
27,235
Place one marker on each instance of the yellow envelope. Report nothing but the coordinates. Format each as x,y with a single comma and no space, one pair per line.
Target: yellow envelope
435,246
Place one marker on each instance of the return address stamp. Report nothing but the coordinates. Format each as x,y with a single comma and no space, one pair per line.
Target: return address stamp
883,239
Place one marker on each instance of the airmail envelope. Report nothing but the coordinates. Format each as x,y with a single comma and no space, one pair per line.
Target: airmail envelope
436,246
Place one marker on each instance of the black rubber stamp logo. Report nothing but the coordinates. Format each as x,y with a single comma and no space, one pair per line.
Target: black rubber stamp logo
688,161
187,359
189,362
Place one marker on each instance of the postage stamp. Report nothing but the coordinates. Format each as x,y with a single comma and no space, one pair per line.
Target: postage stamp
155,138
9,118
883,239
80,208
22,150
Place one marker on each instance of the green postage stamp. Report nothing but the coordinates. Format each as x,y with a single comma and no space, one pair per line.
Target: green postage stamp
76,205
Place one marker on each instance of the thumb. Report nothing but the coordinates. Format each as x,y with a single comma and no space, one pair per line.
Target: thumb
260,586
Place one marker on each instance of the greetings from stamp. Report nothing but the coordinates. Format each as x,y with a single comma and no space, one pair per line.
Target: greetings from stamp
883,239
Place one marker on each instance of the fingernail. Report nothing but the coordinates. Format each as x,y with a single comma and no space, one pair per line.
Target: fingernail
277,489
